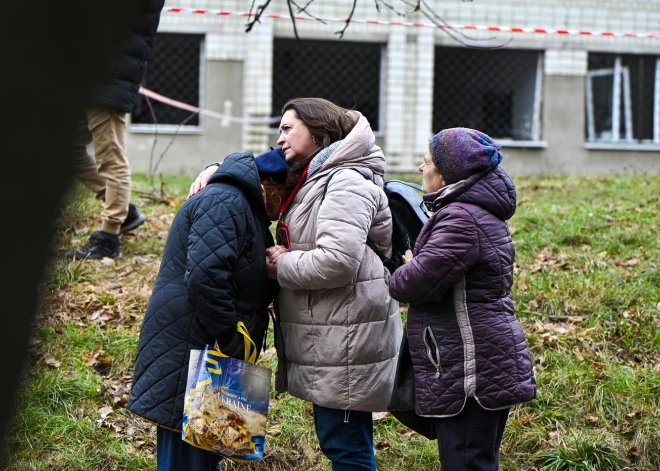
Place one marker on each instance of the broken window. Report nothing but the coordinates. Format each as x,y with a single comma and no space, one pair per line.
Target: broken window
623,98
497,92
346,73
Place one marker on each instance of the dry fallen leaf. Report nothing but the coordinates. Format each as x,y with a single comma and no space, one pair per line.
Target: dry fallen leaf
267,355
627,263
634,452
522,285
122,400
382,446
592,420
105,411
105,360
52,362
107,261
380,415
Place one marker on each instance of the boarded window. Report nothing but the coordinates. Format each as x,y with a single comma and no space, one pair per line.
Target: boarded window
172,71
346,73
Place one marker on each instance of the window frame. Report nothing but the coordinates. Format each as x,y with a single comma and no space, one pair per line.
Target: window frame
535,140
621,91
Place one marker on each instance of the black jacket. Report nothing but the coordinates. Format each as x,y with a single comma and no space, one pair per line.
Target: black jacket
120,88
213,274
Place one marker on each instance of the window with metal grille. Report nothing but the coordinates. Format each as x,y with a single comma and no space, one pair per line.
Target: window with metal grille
623,98
346,73
174,71
497,92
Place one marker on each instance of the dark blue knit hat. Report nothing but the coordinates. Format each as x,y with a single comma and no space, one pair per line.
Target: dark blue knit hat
272,164
461,152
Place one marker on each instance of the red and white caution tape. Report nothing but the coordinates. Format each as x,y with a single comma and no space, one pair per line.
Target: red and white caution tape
212,114
502,29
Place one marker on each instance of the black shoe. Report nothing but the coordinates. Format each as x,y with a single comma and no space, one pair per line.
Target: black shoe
100,244
133,220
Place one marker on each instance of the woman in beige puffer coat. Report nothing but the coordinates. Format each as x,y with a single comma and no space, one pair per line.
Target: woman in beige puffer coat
341,329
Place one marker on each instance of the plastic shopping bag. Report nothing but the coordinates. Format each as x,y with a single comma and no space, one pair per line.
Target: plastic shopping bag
226,403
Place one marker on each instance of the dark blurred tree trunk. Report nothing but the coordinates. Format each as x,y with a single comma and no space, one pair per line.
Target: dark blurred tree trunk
53,54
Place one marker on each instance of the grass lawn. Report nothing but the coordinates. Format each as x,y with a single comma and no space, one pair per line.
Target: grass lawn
587,291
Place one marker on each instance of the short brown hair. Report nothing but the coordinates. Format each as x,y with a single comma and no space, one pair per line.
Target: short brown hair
326,121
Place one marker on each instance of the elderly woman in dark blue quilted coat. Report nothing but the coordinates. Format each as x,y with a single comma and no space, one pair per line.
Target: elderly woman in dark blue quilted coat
213,274
470,359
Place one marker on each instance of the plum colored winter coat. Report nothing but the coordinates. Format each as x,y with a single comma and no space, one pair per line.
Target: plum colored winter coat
464,338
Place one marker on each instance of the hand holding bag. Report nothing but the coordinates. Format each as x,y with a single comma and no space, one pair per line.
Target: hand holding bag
226,403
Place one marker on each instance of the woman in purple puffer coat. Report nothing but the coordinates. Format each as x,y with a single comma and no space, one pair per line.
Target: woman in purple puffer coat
470,359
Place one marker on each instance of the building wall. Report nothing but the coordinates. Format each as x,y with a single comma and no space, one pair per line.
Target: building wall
238,68
188,153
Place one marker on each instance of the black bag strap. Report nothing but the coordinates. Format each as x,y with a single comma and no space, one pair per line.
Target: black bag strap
370,243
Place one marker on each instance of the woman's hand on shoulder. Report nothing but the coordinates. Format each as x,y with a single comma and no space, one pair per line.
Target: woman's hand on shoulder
201,180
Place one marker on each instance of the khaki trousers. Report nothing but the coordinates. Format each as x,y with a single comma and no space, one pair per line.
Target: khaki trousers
107,173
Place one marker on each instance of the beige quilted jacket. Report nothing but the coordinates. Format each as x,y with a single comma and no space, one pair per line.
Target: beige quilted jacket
341,328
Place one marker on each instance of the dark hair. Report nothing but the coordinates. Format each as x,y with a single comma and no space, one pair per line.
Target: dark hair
326,121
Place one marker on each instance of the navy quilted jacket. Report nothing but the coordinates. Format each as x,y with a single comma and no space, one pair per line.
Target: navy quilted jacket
120,87
463,335
213,274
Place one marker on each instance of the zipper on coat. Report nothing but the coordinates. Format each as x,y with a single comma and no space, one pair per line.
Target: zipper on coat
309,306
431,348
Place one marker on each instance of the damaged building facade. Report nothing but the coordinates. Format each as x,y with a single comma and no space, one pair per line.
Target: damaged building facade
558,102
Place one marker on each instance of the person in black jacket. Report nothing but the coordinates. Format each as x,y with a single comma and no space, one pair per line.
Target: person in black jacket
213,274
107,173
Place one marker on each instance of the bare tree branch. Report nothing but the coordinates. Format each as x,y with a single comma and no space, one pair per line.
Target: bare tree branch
396,12
293,19
303,9
169,144
420,6
257,15
453,33
348,21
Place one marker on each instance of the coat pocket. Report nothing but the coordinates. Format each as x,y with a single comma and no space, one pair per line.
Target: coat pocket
432,350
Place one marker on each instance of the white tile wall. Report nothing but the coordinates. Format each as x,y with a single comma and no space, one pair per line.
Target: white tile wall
565,62
395,91
424,88
257,89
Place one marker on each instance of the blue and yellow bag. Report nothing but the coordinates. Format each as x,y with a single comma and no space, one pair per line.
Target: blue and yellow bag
226,403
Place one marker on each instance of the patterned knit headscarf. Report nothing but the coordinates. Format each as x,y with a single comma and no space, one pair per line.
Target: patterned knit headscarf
461,152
